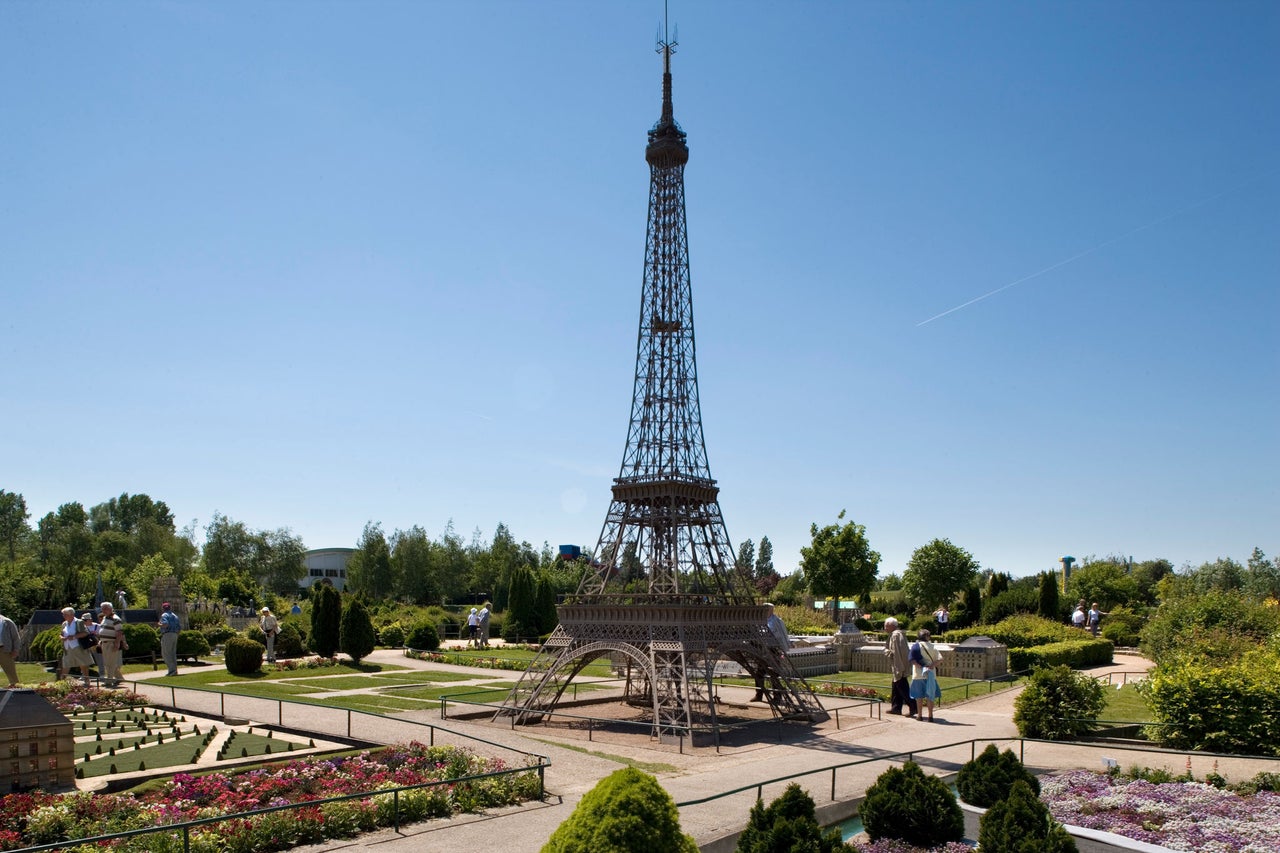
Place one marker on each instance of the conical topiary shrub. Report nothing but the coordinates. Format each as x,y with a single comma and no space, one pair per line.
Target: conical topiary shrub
626,812
788,823
906,804
1022,824
987,779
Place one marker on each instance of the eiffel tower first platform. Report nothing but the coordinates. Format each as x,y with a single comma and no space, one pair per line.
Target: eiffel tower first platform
664,600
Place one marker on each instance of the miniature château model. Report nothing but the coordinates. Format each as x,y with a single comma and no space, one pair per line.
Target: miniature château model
37,744
664,599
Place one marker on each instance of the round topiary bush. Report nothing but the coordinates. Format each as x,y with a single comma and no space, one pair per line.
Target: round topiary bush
143,640
244,656
987,779
906,804
1058,703
1022,823
626,812
424,638
192,645
392,635
289,641
356,635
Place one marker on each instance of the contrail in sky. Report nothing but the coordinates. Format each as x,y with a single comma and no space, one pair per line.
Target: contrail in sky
1089,251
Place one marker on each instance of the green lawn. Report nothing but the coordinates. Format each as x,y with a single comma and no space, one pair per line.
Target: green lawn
1126,705
493,692
242,745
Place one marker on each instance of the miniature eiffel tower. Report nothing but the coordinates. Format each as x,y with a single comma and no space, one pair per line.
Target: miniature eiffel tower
664,600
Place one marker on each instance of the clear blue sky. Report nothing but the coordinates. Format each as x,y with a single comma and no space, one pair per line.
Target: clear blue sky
310,264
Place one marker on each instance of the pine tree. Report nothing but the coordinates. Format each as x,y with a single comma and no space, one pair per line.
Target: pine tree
326,620
626,812
356,635
1022,824
1049,595
788,824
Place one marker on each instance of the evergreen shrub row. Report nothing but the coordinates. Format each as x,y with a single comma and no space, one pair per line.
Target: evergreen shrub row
1077,654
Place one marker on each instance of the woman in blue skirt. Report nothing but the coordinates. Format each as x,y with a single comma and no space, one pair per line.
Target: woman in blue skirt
924,681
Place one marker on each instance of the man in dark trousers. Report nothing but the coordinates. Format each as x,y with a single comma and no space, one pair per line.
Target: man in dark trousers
898,650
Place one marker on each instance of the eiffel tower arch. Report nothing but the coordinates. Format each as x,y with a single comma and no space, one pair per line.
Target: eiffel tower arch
666,625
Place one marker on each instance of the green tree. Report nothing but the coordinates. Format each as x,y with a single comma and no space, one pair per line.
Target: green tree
1218,626
840,563
746,562
282,563
1022,824
227,545
522,605
369,572
1223,574
1049,602
1106,582
787,825
326,620
356,636
986,779
1147,575
997,582
626,812
1058,704
632,568
13,522
413,567
936,573
764,559
1262,578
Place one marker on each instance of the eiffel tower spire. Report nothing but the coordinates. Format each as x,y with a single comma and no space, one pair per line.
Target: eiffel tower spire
664,600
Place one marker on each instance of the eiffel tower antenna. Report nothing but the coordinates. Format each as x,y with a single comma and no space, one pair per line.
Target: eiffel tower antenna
664,599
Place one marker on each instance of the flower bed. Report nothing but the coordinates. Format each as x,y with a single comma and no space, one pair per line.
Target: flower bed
1177,815
29,819
853,691
73,697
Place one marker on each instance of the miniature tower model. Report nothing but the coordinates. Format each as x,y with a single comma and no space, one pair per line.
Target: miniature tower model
663,600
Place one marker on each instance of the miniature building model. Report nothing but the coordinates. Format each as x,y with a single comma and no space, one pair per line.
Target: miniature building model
37,744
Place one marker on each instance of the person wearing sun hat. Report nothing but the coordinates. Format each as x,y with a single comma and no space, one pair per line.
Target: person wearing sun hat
270,627
473,629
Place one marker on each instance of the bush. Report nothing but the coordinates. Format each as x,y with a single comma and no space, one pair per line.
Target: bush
788,823
192,645
1020,632
356,635
906,804
1058,704
143,640
203,620
244,656
1231,708
987,779
1011,602
47,645
1022,824
1077,654
219,634
1215,624
391,635
326,620
626,812
424,638
1122,627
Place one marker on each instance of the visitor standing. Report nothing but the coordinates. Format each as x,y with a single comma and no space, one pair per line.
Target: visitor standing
473,629
270,627
924,682
112,644
943,618
899,668
482,620
9,649
774,624
1078,617
169,628
1095,619
73,653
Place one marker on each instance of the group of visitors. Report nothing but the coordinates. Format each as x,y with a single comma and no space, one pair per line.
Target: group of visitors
1087,620
914,670
88,642
478,627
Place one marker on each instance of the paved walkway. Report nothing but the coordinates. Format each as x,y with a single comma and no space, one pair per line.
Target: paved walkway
576,766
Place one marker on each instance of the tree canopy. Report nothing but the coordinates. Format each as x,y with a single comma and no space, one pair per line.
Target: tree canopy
840,562
937,573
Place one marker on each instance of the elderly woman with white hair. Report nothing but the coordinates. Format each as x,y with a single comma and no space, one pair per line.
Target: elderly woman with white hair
899,667
74,654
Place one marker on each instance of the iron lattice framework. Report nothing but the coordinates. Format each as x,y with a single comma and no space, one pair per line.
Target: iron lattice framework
664,600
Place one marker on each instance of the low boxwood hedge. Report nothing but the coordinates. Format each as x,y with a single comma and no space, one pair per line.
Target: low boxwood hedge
1076,654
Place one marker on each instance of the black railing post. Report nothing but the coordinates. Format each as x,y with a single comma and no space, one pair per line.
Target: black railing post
833,784
395,807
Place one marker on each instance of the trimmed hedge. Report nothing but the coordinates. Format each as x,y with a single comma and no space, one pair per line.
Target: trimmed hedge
626,812
1076,654
1020,632
1058,704
244,656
